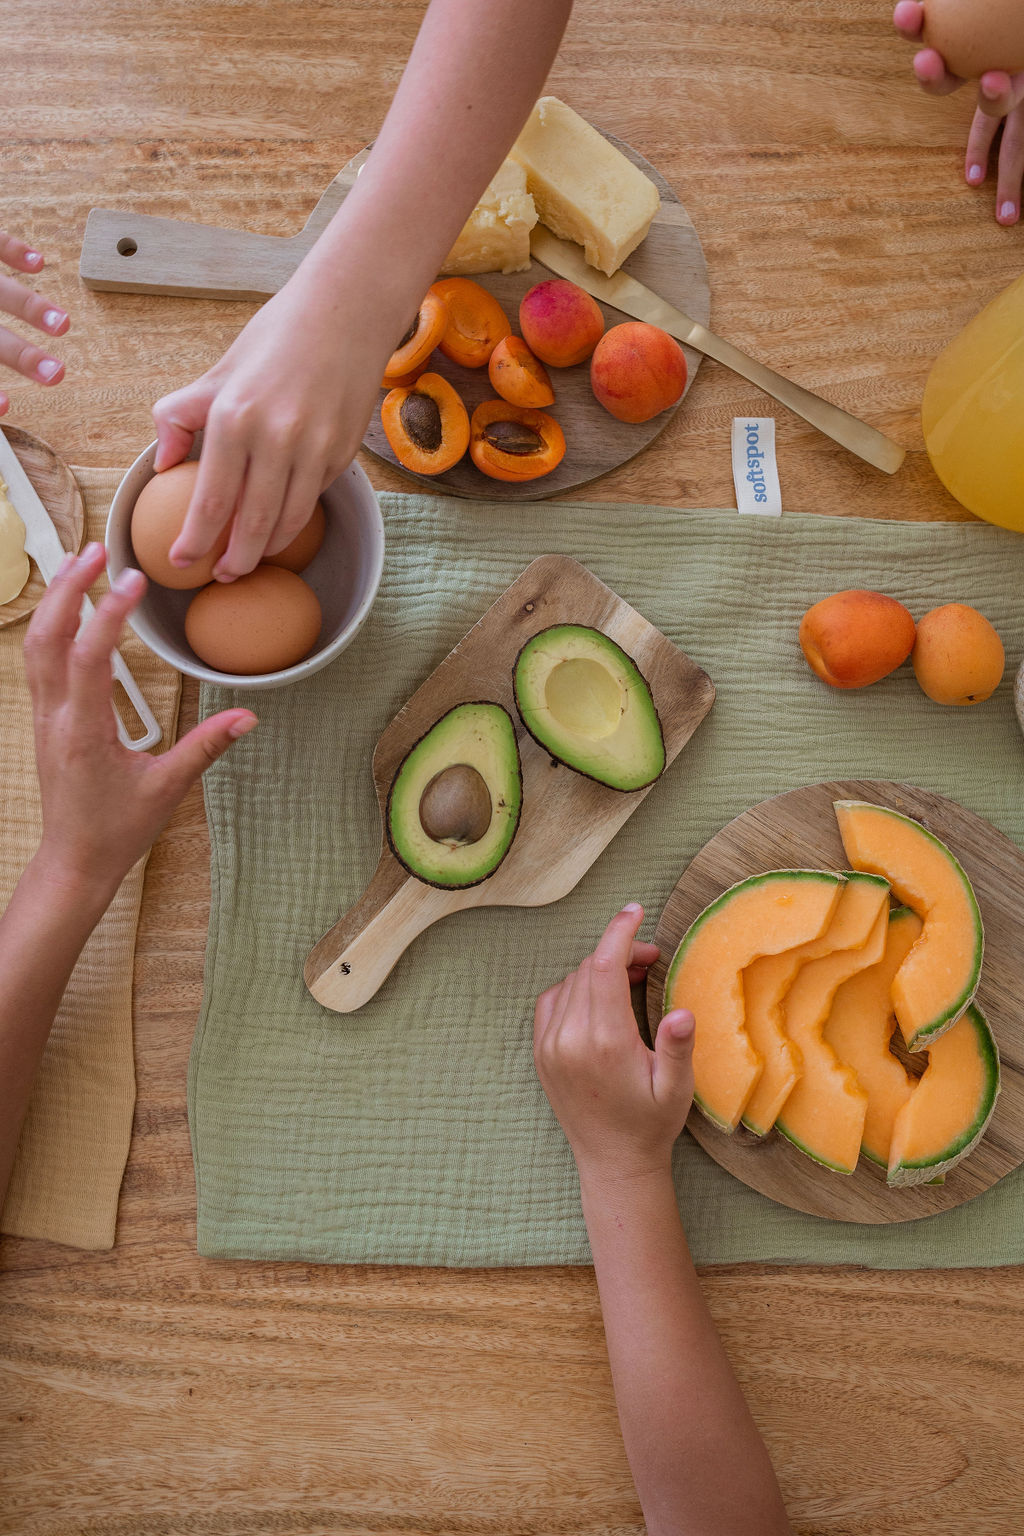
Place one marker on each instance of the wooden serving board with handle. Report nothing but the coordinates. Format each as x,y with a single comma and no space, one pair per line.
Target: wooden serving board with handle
798,830
567,819
137,253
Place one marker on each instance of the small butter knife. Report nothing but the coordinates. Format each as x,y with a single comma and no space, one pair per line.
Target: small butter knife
43,544
624,292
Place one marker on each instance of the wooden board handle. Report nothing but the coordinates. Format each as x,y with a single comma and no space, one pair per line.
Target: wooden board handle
352,961
137,253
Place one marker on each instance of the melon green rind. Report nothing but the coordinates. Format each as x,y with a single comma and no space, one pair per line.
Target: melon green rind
933,1171
958,1005
711,910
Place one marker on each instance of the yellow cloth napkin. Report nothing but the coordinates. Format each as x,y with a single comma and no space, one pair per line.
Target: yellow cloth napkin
74,1145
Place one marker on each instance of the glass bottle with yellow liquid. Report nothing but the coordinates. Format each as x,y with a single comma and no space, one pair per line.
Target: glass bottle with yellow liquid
973,412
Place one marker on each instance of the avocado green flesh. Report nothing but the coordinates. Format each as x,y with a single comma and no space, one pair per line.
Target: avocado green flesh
584,700
483,737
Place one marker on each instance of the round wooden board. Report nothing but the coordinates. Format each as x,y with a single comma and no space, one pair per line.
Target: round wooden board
669,261
58,491
799,830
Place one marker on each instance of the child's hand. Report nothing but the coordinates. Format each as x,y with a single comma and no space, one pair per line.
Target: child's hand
17,300
1000,100
620,1105
102,803
284,412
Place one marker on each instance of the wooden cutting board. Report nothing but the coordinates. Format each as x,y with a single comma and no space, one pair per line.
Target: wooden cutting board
137,253
799,830
567,820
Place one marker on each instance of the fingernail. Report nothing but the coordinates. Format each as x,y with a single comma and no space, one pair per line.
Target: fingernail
33,258
129,581
1008,211
991,92
975,174
53,318
242,726
48,368
90,550
632,907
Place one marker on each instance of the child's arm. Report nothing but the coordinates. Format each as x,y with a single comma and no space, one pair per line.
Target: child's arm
15,299
1000,103
285,409
700,1466
102,807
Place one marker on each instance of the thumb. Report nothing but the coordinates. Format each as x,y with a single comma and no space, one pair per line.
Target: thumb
207,741
673,1056
178,418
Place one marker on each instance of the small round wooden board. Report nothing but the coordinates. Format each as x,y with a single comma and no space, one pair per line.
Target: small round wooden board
798,830
58,491
671,263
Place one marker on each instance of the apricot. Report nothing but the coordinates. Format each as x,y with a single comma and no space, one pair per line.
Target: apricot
561,324
958,656
518,376
420,339
509,442
855,638
403,380
637,371
426,424
475,324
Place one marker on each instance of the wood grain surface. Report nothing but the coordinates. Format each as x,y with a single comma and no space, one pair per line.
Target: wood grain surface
351,961
147,1392
799,830
58,491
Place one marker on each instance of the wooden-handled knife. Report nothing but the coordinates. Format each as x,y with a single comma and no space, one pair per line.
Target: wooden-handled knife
624,292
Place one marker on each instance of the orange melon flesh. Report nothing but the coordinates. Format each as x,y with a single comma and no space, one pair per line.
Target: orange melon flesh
824,1115
859,1029
949,1110
759,916
939,977
765,985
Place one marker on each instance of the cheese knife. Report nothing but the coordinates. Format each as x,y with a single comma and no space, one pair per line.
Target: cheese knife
624,292
43,544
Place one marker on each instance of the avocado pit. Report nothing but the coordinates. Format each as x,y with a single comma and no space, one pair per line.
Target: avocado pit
455,807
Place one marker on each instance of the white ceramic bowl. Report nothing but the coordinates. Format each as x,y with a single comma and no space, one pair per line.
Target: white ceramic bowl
345,576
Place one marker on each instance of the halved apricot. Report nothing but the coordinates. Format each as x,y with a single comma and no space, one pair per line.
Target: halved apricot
420,339
476,321
518,376
403,380
509,442
426,424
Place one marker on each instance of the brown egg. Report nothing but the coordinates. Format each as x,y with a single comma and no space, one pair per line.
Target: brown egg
304,547
975,37
156,522
262,622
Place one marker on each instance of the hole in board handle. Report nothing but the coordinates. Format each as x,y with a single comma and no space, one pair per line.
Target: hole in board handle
126,246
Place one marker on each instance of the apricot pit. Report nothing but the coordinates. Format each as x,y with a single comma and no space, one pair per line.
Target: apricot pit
426,424
509,442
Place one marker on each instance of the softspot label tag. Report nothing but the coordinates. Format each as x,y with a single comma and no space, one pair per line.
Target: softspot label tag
754,469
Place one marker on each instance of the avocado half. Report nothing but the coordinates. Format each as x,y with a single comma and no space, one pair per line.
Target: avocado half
587,703
454,805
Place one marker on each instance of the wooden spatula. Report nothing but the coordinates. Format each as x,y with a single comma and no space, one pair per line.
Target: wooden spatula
136,253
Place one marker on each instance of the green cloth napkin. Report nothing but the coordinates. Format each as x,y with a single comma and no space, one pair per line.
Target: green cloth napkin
414,1131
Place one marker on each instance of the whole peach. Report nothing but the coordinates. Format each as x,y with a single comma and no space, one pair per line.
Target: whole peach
637,371
958,656
854,638
561,324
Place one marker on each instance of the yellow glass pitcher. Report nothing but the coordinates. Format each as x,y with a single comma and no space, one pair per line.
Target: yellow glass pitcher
973,412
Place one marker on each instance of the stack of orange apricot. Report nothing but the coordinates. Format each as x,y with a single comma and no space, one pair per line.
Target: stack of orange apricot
636,372
856,638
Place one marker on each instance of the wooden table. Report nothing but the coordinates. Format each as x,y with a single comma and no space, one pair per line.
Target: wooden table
149,1391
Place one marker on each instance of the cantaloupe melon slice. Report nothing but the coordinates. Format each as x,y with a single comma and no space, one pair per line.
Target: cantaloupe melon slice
765,985
759,916
939,977
948,1112
860,1027
824,1115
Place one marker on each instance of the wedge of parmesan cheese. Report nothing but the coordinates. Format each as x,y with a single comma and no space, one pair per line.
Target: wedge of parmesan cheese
584,188
496,236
